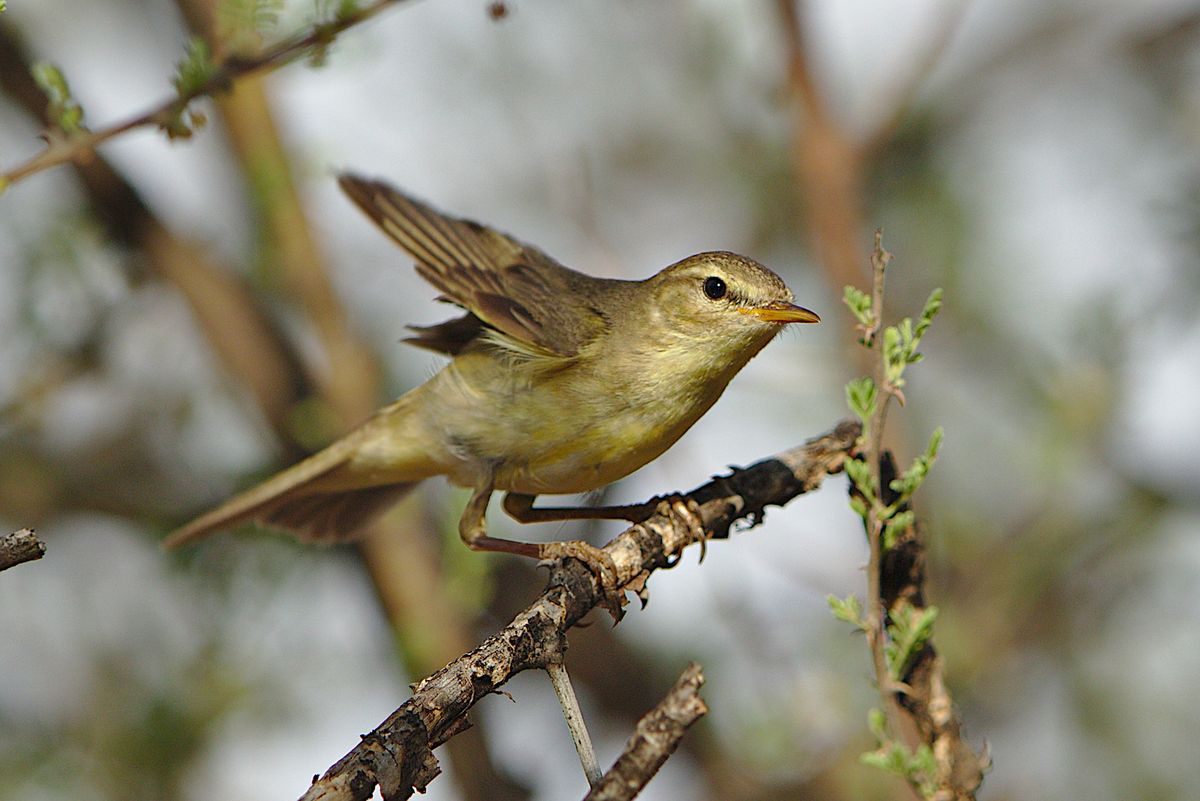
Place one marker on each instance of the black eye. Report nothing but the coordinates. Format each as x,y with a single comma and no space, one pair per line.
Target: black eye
714,287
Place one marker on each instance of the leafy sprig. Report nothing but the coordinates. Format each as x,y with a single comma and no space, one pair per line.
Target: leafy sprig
897,636
917,768
63,111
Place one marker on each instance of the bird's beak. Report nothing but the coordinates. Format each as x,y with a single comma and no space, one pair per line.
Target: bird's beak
778,311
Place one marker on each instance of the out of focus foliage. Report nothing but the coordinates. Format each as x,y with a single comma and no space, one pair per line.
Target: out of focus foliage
1046,174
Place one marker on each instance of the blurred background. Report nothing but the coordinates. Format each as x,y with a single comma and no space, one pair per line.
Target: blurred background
178,320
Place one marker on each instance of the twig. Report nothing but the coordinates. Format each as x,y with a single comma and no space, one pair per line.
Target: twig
62,149
922,699
876,633
655,738
574,718
397,756
918,708
19,547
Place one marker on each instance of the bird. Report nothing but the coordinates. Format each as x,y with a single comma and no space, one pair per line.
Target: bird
558,383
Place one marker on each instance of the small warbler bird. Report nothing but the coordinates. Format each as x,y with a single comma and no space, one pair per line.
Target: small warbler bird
558,383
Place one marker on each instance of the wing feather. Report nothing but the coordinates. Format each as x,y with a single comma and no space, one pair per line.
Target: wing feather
512,287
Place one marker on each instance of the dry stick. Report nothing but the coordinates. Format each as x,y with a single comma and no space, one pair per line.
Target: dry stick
397,756
574,717
655,738
19,547
61,150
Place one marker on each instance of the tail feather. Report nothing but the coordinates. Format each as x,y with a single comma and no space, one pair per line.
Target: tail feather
334,516
313,499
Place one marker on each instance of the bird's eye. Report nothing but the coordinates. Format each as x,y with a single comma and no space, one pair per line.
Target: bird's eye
714,287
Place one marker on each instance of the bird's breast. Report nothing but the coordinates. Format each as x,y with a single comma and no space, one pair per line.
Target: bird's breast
574,429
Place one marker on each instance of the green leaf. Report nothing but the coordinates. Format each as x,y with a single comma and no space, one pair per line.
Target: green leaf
877,724
860,474
847,610
894,360
62,110
919,769
859,506
909,630
896,523
241,23
932,306
861,397
911,479
195,70
859,304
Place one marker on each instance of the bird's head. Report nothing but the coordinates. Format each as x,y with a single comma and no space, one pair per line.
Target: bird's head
731,304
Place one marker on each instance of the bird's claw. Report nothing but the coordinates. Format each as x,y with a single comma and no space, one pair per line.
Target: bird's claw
684,512
598,562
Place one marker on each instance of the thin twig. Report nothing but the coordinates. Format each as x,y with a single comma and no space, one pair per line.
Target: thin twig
397,756
876,621
655,738
19,547
61,149
917,703
573,715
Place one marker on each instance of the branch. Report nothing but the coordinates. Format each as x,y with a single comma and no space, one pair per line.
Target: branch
655,738
247,344
78,146
20,546
920,736
397,756
922,699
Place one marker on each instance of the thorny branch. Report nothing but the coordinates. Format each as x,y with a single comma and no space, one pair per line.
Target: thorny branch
397,756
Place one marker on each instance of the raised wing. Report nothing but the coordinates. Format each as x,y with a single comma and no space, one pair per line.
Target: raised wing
508,285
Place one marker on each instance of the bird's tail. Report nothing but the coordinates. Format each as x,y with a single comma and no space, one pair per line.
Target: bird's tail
307,499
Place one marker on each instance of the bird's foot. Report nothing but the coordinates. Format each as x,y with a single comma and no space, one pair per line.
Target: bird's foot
597,561
684,513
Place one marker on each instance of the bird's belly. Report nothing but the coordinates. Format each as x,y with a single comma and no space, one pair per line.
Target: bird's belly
574,431
580,453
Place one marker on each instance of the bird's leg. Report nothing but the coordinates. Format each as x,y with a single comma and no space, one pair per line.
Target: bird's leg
681,510
472,527
520,507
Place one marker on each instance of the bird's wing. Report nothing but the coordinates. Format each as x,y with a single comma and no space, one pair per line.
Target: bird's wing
512,287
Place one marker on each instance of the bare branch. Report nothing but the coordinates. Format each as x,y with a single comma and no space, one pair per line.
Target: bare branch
61,149
20,546
655,738
397,756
